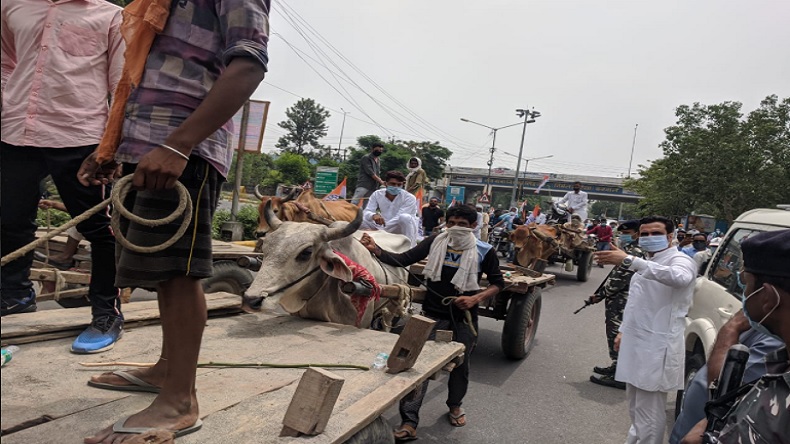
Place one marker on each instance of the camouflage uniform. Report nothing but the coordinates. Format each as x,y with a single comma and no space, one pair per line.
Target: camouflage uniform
614,293
762,416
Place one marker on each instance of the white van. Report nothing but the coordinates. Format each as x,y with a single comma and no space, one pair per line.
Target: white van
717,294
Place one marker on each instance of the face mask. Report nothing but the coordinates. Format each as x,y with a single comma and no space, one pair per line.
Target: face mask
759,325
393,190
377,153
699,245
626,239
576,190
460,238
433,204
654,244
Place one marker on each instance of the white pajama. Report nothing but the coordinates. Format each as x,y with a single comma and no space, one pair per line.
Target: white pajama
648,416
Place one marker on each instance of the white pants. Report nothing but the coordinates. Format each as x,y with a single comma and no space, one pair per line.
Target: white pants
648,416
404,224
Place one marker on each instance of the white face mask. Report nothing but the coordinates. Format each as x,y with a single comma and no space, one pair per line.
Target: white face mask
460,238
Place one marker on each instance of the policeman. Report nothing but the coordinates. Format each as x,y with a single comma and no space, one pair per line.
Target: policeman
763,414
614,291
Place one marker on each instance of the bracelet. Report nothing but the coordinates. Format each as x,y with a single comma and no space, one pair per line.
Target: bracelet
183,156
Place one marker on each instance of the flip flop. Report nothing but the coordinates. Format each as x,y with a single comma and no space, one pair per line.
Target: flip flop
137,384
410,435
119,427
455,419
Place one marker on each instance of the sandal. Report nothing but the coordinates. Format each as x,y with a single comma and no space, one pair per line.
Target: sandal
405,433
458,420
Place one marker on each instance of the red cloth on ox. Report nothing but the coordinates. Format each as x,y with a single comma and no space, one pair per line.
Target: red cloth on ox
361,274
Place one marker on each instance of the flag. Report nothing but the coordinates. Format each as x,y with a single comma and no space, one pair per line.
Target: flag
452,204
418,195
545,181
338,193
536,211
361,203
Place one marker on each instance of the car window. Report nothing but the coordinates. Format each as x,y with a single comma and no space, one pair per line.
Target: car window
728,261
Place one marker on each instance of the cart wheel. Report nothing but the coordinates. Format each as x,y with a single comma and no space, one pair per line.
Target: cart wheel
228,277
585,266
377,432
521,324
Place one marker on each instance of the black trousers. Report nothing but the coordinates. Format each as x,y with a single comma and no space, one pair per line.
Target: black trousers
21,171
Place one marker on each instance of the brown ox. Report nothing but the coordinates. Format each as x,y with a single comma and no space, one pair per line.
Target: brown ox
535,242
305,208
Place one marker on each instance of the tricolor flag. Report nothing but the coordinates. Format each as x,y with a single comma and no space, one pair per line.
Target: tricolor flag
338,193
545,181
536,211
419,195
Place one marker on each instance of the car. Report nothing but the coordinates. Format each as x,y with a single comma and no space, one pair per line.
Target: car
717,292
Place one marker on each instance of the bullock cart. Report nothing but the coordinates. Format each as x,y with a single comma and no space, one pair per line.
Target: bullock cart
70,287
46,399
518,305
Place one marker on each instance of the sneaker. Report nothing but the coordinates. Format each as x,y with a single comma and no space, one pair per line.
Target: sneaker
26,304
607,381
101,336
606,371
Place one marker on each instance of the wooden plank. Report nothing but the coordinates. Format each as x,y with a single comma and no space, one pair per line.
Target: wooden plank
237,405
228,251
517,283
49,321
312,403
49,274
410,344
444,335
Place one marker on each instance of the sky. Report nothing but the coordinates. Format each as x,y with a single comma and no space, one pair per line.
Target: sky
593,69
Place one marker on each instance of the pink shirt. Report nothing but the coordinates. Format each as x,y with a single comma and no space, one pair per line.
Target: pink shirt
60,63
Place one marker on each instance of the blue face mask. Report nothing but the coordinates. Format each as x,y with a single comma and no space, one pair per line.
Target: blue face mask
626,239
394,190
654,244
759,325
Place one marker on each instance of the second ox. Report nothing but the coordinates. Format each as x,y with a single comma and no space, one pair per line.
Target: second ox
302,271
304,208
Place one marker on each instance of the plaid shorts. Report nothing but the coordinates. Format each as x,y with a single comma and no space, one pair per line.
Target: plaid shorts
190,255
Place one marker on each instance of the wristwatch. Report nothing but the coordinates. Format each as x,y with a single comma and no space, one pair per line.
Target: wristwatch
628,261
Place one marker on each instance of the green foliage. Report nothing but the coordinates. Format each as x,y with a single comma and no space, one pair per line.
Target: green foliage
396,157
718,162
248,216
612,209
294,168
254,169
305,125
56,218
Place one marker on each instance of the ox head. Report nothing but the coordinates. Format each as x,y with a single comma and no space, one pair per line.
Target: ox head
520,235
294,255
280,210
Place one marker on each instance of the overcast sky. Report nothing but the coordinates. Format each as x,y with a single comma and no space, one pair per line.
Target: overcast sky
593,69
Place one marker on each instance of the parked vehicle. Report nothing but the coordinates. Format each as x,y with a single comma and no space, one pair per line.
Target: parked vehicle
500,240
717,294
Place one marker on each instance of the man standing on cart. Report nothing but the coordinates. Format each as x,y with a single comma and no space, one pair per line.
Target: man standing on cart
456,261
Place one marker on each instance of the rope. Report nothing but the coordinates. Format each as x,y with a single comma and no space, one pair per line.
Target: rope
212,364
119,193
60,282
402,305
447,300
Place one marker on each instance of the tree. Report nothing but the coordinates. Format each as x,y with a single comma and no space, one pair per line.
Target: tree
291,169
717,162
612,209
305,125
255,168
396,157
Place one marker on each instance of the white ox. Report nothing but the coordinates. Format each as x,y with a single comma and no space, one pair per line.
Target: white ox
301,272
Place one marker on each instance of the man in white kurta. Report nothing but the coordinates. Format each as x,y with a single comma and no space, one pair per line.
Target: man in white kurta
651,348
576,200
392,209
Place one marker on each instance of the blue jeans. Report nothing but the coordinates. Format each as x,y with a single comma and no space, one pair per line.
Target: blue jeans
603,246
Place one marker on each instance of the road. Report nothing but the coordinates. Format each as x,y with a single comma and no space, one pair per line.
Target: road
546,398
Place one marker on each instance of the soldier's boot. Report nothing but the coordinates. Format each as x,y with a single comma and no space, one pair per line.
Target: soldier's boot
608,381
606,371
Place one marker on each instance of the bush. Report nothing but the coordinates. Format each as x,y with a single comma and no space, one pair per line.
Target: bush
56,218
248,216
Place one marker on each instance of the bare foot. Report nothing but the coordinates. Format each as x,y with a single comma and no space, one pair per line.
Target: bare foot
161,414
153,375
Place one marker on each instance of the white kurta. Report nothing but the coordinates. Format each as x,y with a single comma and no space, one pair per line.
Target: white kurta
652,352
399,214
578,202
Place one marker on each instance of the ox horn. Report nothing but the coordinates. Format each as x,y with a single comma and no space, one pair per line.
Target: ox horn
271,218
258,193
348,230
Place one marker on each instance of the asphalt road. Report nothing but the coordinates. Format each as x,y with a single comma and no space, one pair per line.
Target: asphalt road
546,398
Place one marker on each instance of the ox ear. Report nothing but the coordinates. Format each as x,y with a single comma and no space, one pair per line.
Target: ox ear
336,267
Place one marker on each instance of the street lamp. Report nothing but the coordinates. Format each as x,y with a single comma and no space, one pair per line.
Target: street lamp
526,161
529,117
492,149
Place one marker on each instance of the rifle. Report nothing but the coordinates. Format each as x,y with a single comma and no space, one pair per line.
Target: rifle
587,302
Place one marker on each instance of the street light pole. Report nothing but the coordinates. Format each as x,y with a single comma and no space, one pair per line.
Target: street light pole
527,115
633,144
492,149
342,127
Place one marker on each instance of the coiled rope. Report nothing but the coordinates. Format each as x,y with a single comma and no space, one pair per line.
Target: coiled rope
119,192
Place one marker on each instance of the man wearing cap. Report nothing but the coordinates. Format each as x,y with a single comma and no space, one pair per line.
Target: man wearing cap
763,414
650,343
614,291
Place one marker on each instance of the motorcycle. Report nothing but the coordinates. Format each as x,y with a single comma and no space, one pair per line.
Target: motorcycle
558,214
500,240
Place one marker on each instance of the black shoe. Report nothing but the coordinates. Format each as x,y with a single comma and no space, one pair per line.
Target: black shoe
606,371
607,381
25,305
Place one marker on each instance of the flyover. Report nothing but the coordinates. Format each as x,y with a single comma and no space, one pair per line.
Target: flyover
474,181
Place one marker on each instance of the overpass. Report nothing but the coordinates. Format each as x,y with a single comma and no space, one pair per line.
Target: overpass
474,180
